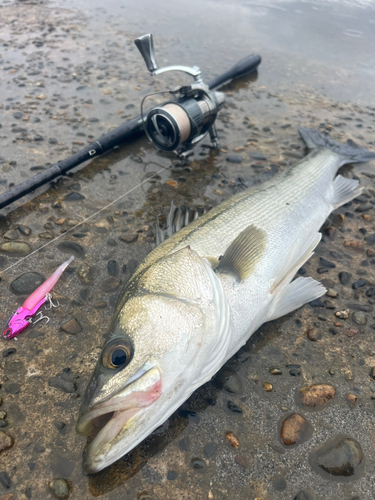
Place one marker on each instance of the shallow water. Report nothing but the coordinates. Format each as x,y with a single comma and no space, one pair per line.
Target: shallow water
69,74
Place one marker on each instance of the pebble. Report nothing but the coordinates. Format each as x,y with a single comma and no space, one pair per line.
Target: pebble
209,449
71,248
372,372
128,238
235,159
64,385
340,456
332,293
227,379
171,475
358,284
342,314
370,239
72,327
84,273
5,480
110,284
240,461
295,430
112,268
233,407
351,332
304,495
24,230
59,488
314,335
11,235
344,277
9,352
74,197
12,388
257,156
316,396
352,399
15,248
26,283
279,484
275,371
267,386
354,245
232,439
326,263
6,441
360,318
198,464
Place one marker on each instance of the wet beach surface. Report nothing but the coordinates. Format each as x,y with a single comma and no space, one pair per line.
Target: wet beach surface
258,430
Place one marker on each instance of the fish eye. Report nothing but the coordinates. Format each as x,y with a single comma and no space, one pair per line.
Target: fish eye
117,354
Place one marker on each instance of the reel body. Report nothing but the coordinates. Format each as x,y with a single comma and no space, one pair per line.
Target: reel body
178,125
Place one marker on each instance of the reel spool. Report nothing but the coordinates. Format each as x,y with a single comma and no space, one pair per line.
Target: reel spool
178,125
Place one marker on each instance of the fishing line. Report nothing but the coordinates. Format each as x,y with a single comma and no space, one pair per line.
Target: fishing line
86,219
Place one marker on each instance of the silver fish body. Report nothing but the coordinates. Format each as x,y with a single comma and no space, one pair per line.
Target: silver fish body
198,297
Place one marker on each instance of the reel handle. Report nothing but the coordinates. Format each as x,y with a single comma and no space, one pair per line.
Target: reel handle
145,45
242,68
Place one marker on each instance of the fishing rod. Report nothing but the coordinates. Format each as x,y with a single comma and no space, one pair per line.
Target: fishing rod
177,125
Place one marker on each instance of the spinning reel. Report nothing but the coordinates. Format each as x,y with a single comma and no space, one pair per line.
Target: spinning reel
179,124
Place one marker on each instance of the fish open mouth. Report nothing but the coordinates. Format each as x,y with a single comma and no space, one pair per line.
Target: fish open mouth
107,421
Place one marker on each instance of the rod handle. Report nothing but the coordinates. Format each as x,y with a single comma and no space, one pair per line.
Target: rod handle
242,68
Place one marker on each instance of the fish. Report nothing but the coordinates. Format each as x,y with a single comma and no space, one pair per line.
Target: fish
23,317
198,296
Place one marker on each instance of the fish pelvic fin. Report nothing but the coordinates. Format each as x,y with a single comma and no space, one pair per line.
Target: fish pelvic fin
244,253
350,152
343,191
294,295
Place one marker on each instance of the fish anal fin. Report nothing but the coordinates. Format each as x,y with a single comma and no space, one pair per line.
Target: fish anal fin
344,190
301,252
244,253
294,295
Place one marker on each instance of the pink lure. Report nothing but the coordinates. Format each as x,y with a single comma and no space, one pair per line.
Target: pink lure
22,318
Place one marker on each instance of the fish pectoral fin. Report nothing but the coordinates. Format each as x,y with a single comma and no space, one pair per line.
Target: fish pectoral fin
244,253
301,252
344,190
294,295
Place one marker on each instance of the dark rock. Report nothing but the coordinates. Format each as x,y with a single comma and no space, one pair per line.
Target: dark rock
339,457
11,235
227,379
5,480
370,239
112,268
62,384
59,488
198,464
128,238
74,197
279,484
110,284
314,335
61,466
294,430
171,475
235,159
316,303
345,277
191,416
184,444
15,248
360,318
304,495
9,352
26,283
72,327
209,449
71,248
6,441
358,284
326,263
24,230
234,408
316,396
17,115
12,388
257,156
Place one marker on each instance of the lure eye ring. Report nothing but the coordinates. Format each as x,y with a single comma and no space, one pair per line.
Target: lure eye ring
117,354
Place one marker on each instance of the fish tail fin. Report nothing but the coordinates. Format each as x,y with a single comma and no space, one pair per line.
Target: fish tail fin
350,152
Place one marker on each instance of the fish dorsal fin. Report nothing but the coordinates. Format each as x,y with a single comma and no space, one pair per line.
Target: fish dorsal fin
301,252
244,253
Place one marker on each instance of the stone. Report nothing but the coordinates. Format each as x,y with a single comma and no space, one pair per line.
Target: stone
279,484
294,430
227,379
257,156
240,461
370,239
72,327
235,159
84,273
71,248
351,332
198,464
338,458
275,371
313,335
326,263
358,284
354,245
332,293
233,407
110,285
15,248
74,197
67,386
59,488
372,372
11,235
316,396
210,449
171,475
267,386
5,480
26,283
112,268
342,314
12,388
6,441
352,399
344,277
304,495
231,439
359,317
129,238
